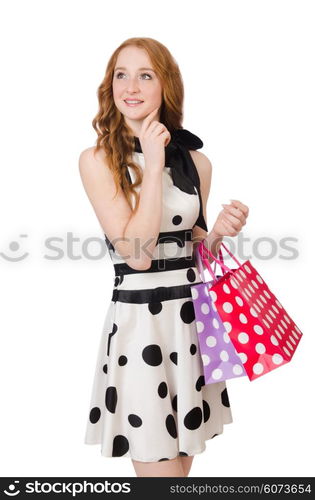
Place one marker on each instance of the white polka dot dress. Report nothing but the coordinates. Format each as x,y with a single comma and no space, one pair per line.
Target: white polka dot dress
149,401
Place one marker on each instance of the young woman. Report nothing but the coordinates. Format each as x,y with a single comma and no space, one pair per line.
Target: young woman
149,186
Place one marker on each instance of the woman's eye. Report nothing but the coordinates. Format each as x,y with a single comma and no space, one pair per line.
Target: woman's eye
146,74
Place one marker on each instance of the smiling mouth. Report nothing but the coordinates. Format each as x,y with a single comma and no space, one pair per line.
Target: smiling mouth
132,102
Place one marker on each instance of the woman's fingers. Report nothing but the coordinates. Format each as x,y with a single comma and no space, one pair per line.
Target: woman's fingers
235,221
237,212
241,206
231,230
233,217
147,121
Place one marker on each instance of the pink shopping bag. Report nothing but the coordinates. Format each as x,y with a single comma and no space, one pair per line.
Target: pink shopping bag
261,330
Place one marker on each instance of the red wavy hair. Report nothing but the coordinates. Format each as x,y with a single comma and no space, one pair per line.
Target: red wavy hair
114,136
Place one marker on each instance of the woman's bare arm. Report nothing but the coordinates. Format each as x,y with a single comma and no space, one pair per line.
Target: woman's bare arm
204,167
133,236
229,221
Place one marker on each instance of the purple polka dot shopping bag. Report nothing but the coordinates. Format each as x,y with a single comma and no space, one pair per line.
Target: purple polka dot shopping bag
262,332
220,359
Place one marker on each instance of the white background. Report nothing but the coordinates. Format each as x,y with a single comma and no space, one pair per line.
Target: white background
248,70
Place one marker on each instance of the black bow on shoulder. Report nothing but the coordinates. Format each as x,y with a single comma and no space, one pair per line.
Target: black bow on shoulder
183,170
178,158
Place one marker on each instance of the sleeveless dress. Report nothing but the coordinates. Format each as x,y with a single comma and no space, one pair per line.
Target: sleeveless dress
149,400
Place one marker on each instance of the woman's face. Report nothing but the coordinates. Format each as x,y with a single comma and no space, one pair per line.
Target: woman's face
135,79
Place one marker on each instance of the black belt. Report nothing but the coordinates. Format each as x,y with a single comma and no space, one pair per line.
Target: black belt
179,237
157,294
157,265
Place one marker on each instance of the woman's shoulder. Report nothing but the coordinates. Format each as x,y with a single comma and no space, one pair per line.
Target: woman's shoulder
90,154
92,163
202,162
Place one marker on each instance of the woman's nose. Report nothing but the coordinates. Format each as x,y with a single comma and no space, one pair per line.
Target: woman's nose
132,84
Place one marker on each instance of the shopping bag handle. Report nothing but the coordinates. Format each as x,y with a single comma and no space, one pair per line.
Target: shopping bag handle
204,260
200,266
202,248
198,257
220,252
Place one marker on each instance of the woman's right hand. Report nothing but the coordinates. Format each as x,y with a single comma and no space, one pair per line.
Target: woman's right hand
154,137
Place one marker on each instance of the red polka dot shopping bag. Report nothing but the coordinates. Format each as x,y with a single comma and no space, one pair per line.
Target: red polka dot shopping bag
219,357
262,332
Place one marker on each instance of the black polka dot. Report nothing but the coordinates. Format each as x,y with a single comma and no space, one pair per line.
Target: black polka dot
114,330
173,357
95,415
191,275
200,382
116,283
121,279
171,425
162,459
187,312
120,445
193,418
177,219
206,411
134,420
193,349
152,355
105,368
122,360
174,403
111,399
225,398
180,243
183,454
155,307
162,390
